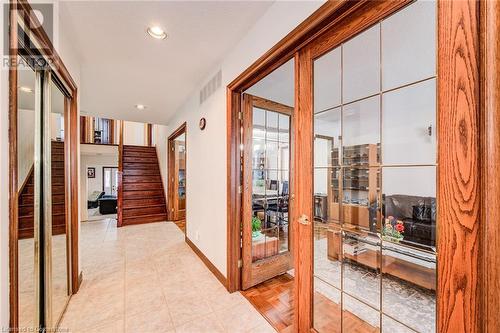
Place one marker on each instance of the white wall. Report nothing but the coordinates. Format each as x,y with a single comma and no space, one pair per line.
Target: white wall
160,137
25,144
106,156
206,162
134,133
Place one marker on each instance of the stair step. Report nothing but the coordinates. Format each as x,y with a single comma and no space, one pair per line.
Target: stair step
142,194
135,153
145,219
133,212
24,233
26,210
141,160
149,202
142,179
138,148
135,166
141,172
142,186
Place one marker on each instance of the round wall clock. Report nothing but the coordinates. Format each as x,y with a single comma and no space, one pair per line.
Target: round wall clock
203,123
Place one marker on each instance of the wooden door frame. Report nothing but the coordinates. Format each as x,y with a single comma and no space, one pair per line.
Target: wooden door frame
259,270
22,9
170,169
468,122
109,167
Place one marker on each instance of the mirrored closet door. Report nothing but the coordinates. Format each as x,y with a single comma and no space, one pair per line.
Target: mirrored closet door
58,293
43,192
375,208
28,181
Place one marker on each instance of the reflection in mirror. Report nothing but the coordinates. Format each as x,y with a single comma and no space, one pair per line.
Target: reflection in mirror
409,239
26,204
60,288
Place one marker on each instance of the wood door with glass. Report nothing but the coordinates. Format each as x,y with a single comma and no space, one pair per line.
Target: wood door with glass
266,247
177,174
375,221
110,181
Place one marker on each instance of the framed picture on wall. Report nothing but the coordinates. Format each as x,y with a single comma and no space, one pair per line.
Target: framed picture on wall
90,172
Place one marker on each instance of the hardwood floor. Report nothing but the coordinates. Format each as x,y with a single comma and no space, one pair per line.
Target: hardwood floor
181,224
274,300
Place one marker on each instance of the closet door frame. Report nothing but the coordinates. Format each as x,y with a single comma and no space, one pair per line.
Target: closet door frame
468,120
21,11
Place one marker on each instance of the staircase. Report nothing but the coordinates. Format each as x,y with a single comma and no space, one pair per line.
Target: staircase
26,197
142,194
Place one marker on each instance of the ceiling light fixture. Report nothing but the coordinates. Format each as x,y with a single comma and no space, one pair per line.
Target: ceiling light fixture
157,32
26,89
140,106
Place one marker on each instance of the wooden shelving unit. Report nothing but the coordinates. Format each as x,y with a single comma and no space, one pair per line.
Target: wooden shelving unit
361,176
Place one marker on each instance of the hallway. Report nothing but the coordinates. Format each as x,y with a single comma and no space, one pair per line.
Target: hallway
145,278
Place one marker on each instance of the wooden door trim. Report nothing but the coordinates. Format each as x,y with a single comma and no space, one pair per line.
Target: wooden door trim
490,146
268,105
149,134
459,173
304,133
256,272
182,129
22,7
13,174
119,203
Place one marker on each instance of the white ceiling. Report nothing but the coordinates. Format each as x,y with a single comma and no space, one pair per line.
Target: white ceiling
122,66
26,100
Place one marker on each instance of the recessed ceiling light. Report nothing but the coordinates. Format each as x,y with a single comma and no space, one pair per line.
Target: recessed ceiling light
26,89
157,32
140,106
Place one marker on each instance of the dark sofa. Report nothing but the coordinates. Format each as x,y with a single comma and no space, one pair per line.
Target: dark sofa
93,200
107,204
418,215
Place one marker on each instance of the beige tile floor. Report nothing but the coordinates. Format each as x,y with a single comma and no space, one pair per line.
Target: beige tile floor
145,278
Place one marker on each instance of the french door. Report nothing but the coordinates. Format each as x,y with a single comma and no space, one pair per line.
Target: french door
374,167
266,233
390,207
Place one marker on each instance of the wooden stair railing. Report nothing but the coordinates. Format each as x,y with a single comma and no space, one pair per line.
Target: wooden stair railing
142,198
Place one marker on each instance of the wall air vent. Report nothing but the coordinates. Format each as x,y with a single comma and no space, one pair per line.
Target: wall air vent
209,88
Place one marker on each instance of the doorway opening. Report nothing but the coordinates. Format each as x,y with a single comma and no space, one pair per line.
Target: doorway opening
267,124
99,169
177,158
363,157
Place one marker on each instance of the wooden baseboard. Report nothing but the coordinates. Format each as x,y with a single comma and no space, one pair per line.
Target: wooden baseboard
208,263
80,280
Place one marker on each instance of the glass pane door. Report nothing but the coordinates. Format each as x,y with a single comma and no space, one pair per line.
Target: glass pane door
270,185
267,127
375,178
